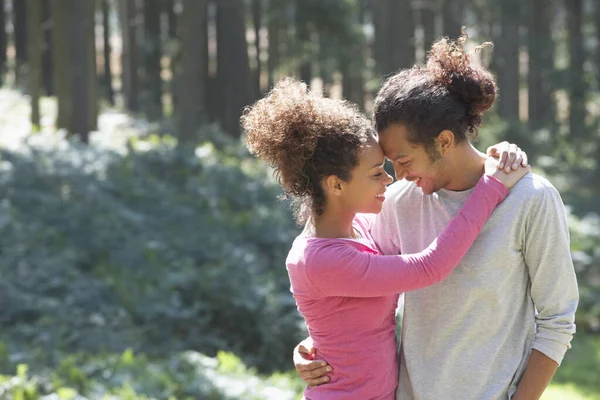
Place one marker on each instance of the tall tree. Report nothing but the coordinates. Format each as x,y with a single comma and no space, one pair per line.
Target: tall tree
173,48
152,53
171,19
353,54
393,19
34,47
507,60
453,17
47,22
303,42
20,37
233,70
82,53
597,23
257,11
192,85
328,66
107,50
3,41
541,64
130,63
428,23
274,34
577,89
62,70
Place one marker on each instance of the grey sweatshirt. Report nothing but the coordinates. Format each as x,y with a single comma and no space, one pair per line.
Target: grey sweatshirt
469,337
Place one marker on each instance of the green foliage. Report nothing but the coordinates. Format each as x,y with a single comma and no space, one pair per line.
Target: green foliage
158,250
581,365
184,376
585,236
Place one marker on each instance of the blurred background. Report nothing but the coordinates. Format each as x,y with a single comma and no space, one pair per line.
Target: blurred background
142,249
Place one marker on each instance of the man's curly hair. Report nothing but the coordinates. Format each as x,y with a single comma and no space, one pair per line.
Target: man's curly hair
305,138
449,92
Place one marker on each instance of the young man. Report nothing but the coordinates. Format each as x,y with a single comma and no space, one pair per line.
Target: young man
499,325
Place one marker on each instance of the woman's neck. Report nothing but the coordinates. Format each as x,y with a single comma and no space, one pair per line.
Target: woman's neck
334,224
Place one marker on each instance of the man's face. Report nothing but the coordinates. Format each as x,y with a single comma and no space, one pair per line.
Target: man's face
411,161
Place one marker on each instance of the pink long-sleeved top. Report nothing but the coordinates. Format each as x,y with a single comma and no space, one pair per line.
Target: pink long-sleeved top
347,293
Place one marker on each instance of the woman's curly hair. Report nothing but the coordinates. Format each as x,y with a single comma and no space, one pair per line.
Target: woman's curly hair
450,92
305,138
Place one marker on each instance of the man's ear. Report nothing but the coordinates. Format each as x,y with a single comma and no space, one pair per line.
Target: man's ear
444,141
333,185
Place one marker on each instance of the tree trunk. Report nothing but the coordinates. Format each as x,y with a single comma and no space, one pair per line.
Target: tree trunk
453,15
171,19
62,68
47,49
82,55
274,35
576,59
541,108
326,67
173,41
20,37
129,74
3,42
91,66
34,47
597,18
232,63
303,43
352,65
152,52
192,87
257,9
107,76
381,29
393,19
507,62
429,33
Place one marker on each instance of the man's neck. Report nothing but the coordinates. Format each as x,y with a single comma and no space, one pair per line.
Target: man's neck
465,167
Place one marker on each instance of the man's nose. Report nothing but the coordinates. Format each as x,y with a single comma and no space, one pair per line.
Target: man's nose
400,172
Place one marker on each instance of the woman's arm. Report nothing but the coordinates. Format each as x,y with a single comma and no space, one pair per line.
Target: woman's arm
339,269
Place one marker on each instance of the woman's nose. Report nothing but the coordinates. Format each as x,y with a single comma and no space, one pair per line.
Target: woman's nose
389,178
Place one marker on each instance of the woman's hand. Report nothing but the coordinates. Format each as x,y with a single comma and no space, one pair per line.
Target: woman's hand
510,157
508,179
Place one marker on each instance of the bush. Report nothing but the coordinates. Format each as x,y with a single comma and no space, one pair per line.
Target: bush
158,250
184,376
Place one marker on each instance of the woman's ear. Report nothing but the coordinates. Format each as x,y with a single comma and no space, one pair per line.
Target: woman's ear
333,185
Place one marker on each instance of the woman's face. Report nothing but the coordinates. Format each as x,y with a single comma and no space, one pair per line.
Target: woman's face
365,191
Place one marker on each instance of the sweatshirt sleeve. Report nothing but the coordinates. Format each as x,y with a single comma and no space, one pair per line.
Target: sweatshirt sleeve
553,283
338,269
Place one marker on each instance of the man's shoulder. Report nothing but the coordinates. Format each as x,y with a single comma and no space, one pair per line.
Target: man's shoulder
533,186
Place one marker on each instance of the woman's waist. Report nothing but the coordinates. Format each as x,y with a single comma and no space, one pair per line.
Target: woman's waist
373,376
366,356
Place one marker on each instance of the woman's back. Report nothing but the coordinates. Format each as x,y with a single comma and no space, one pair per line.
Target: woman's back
356,335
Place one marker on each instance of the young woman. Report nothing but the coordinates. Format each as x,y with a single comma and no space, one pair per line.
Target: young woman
327,157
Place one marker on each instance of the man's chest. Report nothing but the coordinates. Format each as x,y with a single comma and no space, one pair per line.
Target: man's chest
493,261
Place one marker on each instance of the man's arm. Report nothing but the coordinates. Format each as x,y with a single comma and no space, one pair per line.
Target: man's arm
538,373
312,371
553,289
